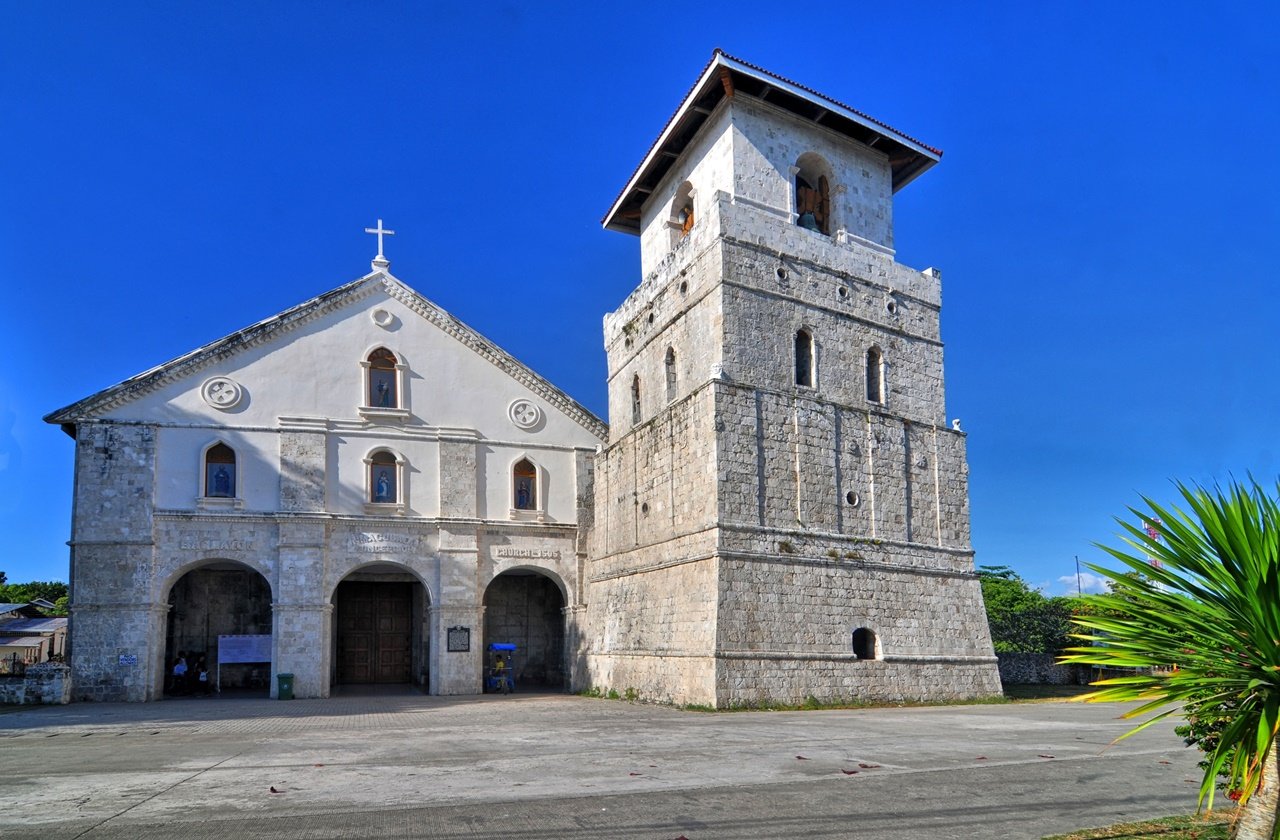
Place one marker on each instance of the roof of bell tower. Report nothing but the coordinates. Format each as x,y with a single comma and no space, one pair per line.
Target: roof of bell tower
725,77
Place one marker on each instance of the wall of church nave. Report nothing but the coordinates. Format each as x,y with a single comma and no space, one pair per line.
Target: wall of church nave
763,681
800,605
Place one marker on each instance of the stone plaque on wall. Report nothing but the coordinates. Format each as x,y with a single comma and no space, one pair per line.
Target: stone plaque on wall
459,639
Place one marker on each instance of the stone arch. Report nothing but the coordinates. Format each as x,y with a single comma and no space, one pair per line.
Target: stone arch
380,633
682,216
208,598
865,643
525,606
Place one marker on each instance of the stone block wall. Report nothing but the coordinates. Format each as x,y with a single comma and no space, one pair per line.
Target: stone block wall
45,684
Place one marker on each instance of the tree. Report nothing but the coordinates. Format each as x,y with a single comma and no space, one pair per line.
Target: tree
1210,605
1022,619
53,591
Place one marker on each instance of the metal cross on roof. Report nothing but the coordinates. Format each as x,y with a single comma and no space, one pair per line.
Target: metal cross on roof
380,230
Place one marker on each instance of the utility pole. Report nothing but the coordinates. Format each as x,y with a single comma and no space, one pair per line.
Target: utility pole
1078,593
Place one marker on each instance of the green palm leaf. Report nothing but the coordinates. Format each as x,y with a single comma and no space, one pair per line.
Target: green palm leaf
1205,615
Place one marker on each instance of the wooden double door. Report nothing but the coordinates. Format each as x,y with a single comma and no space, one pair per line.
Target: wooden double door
375,632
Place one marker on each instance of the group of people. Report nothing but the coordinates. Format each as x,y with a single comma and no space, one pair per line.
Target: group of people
189,680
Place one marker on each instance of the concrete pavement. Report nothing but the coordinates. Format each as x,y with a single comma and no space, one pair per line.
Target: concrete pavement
556,766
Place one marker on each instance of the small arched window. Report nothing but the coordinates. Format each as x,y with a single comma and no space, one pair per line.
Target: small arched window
670,364
804,358
220,472
864,643
383,385
875,376
635,399
813,193
383,479
524,485
682,217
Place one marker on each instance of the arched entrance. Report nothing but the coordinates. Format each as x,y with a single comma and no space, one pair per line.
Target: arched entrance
525,607
220,598
380,636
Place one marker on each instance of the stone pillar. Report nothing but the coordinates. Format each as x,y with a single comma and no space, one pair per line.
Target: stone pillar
301,612
117,626
457,672
300,645
575,646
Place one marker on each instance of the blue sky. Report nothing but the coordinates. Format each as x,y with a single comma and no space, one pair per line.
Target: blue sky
1103,214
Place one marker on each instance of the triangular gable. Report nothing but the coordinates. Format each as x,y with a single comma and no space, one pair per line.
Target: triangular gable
186,365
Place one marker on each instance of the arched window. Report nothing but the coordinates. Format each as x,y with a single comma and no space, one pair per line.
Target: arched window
635,399
220,472
384,479
875,376
670,363
524,485
813,193
804,358
384,391
864,643
682,217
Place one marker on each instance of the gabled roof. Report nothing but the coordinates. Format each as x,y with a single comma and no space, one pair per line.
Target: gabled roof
9,613
136,386
726,76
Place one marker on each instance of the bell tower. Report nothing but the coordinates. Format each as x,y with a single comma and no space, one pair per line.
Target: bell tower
782,510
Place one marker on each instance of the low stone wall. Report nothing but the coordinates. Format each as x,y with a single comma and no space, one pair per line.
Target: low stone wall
1040,669
48,683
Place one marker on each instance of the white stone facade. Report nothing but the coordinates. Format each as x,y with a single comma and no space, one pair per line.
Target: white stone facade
778,509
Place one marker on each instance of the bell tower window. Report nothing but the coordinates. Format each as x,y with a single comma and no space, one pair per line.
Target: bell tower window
875,376
670,364
635,399
813,193
804,358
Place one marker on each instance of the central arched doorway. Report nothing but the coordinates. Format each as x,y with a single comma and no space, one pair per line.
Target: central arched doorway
219,598
379,635
525,607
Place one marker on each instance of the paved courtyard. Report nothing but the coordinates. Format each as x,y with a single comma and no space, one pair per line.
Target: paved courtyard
556,766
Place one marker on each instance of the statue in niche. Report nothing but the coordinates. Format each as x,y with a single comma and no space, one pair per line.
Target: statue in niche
382,488
813,204
222,482
384,394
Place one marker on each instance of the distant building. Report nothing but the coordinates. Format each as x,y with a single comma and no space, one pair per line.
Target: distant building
364,490
27,636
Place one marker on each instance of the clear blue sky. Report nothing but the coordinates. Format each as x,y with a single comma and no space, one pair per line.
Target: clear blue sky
1105,213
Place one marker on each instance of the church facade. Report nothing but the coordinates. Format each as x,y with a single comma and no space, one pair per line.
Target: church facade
364,490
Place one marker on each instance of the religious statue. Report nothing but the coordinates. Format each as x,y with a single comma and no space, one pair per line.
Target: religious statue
222,482
382,489
384,393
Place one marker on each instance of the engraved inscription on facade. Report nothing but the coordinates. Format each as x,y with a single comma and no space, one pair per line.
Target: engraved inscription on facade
527,553
373,542
215,541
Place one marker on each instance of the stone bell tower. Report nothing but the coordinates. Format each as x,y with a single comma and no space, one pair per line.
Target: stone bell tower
782,509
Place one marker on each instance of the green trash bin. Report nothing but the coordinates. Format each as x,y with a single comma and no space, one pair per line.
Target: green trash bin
286,686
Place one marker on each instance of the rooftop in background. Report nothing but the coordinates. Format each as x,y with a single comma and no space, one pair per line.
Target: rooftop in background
726,76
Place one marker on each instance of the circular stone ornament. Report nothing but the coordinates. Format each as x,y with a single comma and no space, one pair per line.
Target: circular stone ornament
382,317
524,414
222,393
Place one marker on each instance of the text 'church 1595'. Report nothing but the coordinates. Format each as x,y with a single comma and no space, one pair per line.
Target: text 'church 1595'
364,490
